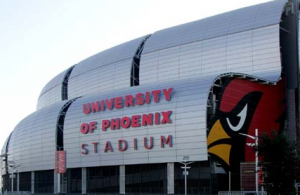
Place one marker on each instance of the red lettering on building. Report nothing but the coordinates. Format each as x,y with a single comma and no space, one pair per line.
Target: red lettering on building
166,117
102,105
108,147
125,122
105,124
84,128
167,93
118,102
129,100
139,99
156,118
164,141
147,97
146,145
147,119
122,145
135,144
110,103
96,106
156,94
95,146
92,126
135,122
86,108
84,150
115,124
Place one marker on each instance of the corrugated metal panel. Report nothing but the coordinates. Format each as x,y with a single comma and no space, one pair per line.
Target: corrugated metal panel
248,18
51,93
112,76
33,142
229,42
255,52
109,69
3,151
188,127
3,165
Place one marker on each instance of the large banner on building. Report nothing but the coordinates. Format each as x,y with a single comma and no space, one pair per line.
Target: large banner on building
60,161
244,106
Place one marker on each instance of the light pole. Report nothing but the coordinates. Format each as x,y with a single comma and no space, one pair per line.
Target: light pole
185,172
12,180
13,167
256,156
3,160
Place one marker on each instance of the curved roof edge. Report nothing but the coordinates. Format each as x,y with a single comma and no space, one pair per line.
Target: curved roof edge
231,22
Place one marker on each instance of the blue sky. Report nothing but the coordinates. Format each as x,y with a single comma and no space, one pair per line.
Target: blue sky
41,38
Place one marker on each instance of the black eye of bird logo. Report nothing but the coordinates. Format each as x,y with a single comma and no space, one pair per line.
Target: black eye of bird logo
225,141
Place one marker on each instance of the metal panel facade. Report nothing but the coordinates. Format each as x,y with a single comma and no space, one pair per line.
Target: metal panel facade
106,70
3,150
245,19
32,144
187,58
187,129
255,52
112,76
51,93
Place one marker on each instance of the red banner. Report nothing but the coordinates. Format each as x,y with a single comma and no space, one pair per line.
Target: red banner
60,161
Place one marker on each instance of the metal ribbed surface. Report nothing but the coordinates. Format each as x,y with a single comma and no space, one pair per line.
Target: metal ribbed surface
241,41
245,19
106,70
112,76
3,150
33,142
255,52
187,57
188,127
3,162
51,93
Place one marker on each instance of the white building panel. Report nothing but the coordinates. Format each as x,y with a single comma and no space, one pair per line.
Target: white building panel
32,144
192,121
256,53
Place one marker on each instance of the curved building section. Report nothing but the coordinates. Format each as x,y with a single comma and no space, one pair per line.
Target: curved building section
4,148
184,106
109,69
52,92
32,144
242,41
4,164
195,92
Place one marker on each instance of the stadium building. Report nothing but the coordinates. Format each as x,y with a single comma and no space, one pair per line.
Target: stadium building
121,121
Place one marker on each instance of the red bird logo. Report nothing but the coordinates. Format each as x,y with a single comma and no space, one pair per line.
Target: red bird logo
243,107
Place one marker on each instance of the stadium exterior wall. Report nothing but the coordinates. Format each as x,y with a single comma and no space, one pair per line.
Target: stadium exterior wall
121,121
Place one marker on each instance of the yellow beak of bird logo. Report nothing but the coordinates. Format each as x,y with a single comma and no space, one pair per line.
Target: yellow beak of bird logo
218,142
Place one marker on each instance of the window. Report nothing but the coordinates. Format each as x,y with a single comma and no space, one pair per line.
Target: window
146,178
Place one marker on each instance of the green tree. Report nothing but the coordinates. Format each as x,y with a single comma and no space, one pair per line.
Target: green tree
280,163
